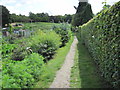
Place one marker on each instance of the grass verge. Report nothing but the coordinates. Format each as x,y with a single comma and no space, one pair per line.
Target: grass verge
52,66
75,81
84,73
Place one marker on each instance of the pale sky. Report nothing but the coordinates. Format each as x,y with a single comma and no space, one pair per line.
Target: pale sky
52,7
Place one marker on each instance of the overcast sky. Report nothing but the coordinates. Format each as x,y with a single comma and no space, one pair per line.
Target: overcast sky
53,7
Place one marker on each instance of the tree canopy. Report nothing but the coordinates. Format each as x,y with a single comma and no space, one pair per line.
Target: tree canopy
38,17
83,14
5,15
19,18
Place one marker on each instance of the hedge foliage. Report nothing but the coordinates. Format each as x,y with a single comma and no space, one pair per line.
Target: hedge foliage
101,37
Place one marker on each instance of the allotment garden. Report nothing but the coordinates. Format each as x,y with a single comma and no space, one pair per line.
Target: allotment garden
33,52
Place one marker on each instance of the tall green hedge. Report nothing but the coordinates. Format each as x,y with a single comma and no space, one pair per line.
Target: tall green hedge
101,35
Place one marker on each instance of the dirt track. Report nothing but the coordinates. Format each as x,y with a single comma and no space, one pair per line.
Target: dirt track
62,79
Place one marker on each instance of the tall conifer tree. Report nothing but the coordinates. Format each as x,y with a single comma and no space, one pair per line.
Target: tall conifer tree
4,15
83,13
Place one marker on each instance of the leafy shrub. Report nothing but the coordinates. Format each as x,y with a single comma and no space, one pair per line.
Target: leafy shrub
7,50
100,36
45,44
19,53
16,76
22,74
64,33
74,29
34,64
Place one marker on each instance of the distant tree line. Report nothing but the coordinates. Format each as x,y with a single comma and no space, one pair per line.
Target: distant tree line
41,17
18,18
83,14
38,17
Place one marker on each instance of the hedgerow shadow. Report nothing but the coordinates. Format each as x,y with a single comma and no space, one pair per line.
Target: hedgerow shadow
89,73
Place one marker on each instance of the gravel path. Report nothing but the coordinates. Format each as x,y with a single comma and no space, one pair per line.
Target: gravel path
62,79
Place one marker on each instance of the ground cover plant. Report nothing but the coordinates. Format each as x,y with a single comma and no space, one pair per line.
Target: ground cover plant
22,73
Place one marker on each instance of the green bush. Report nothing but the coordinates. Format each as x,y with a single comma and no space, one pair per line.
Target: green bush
101,37
19,54
34,64
22,74
20,51
64,33
43,43
7,48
